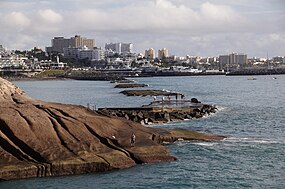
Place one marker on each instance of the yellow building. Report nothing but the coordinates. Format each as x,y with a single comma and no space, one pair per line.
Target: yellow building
163,53
150,53
59,43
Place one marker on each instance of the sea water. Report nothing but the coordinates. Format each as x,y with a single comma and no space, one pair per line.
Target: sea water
251,115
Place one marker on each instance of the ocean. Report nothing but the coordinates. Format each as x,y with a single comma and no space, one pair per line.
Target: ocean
251,115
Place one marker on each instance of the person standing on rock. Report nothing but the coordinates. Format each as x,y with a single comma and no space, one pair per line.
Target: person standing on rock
169,98
133,139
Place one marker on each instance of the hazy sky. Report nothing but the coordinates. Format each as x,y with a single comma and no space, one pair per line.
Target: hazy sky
193,27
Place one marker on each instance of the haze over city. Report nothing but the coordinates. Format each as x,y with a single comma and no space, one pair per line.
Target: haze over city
203,28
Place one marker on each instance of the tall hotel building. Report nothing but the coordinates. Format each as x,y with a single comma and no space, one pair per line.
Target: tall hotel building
59,43
163,53
150,54
119,47
233,58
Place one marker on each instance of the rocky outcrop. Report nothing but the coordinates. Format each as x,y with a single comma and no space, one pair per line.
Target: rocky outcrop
39,139
149,93
147,116
195,100
123,80
130,85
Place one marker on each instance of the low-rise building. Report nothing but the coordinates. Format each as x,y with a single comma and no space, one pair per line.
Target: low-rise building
84,53
10,60
278,59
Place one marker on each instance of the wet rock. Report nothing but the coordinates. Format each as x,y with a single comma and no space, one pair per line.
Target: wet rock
149,93
195,100
130,85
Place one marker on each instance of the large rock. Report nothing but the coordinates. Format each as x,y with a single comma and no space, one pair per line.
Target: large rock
149,93
130,85
40,139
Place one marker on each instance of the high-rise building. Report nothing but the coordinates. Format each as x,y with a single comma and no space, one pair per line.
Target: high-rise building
150,53
163,53
59,43
127,48
233,58
120,47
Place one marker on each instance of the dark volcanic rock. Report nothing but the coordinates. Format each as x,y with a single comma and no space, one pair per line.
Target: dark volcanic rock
130,85
39,139
195,100
149,93
150,116
122,81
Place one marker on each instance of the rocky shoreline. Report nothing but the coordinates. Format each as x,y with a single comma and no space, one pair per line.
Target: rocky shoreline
40,139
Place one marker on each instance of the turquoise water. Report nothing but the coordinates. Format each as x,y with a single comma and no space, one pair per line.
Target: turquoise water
251,114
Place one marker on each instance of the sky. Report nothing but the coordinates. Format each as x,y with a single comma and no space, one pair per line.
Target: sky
184,27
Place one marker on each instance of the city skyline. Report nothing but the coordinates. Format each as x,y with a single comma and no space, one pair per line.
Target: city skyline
202,28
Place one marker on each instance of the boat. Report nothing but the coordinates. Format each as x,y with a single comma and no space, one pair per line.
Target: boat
251,78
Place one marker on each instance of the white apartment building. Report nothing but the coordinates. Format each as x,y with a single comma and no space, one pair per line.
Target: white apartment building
119,47
12,61
71,52
99,54
84,52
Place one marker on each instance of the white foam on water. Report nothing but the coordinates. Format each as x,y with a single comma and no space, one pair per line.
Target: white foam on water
205,143
252,140
220,108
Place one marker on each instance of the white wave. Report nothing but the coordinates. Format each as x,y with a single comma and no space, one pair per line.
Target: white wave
252,140
220,108
205,143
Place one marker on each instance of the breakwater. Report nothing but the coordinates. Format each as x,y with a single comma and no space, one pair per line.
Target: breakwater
163,114
275,71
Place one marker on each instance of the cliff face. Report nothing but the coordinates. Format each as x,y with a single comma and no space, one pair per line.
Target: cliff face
49,139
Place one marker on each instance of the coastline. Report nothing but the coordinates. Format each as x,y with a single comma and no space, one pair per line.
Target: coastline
11,79
41,139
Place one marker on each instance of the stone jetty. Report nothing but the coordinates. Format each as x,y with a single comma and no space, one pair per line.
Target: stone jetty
41,139
162,112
